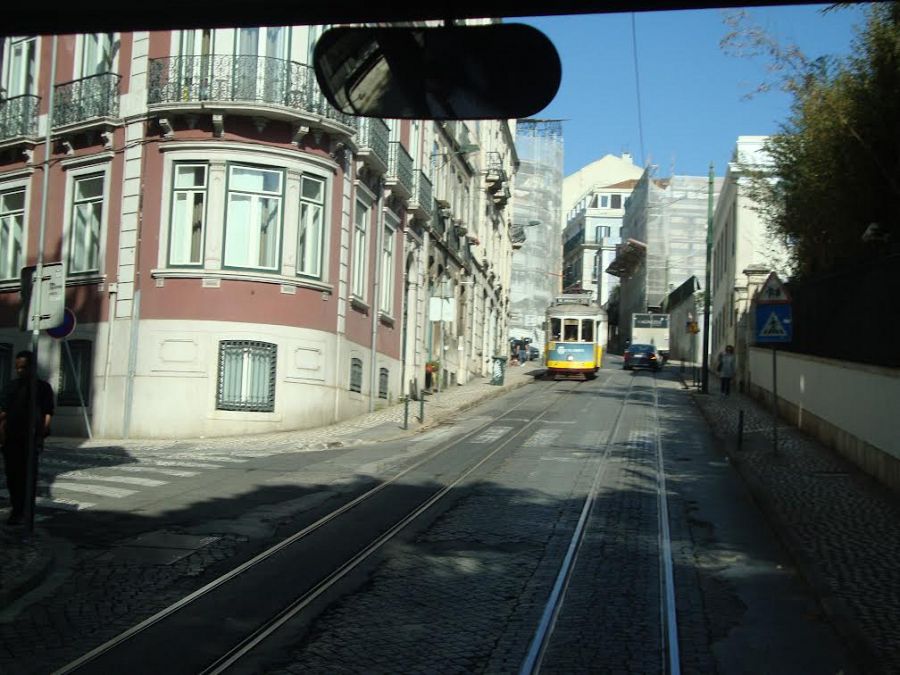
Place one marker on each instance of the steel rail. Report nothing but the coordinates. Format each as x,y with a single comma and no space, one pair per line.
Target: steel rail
288,541
257,638
544,631
668,609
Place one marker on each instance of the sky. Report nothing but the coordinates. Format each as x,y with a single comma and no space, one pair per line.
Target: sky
692,93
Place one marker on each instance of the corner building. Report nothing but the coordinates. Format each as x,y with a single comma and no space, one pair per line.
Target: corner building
240,257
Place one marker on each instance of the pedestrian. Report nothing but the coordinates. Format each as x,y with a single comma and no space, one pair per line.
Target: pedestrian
15,409
523,354
726,368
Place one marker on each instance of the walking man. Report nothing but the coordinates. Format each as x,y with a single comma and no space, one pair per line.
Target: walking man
726,368
14,428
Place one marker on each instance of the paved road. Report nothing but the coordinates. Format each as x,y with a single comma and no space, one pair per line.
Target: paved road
462,591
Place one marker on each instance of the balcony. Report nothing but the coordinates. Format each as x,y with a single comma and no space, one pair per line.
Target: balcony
18,119
495,174
90,101
372,139
422,201
400,171
245,85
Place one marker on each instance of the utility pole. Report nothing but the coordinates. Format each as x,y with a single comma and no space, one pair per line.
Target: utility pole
707,295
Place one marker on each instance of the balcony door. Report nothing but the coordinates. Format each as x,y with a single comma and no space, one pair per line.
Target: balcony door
262,69
19,73
195,64
97,54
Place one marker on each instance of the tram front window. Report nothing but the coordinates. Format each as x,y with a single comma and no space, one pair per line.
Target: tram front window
587,330
555,329
571,330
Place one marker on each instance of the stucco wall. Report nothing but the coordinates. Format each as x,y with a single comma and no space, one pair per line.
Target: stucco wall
851,407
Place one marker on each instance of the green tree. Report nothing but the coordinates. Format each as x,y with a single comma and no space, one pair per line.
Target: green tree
835,164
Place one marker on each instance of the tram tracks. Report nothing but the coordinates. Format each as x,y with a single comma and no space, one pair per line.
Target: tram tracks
114,651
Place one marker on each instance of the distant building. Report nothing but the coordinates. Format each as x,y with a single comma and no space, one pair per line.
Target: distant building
742,252
663,242
537,230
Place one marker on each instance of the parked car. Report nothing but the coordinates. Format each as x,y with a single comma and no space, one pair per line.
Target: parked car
534,354
642,356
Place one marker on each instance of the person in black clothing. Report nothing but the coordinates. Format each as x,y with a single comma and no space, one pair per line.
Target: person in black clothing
14,424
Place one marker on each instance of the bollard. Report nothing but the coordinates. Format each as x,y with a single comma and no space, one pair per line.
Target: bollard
406,413
740,429
421,407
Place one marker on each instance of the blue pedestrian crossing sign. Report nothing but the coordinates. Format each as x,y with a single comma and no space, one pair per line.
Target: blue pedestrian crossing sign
774,323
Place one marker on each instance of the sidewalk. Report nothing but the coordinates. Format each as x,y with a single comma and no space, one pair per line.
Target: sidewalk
26,562
841,528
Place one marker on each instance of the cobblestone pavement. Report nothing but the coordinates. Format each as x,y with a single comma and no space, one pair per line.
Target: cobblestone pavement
841,527
90,575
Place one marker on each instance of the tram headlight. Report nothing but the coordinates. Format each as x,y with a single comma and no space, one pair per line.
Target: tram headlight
570,357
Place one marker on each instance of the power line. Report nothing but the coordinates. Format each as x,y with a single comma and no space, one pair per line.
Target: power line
637,84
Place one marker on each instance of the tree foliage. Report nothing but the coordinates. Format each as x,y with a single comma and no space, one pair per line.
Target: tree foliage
835,164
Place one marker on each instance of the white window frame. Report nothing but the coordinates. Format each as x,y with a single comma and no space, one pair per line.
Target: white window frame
84,69
75,174
173,195
25,67
255,198
306,207
388,265
248,349
359,270
15,265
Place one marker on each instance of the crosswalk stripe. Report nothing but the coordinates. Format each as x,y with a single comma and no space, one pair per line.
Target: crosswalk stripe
490,435
101,490
60,503
218,458
192,465
165,472
128,480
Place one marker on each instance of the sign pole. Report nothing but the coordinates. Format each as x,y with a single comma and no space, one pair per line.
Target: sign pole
774,400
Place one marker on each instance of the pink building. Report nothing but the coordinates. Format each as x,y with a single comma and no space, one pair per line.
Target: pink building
240,256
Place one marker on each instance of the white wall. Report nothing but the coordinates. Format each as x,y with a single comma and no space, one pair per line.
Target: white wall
861,400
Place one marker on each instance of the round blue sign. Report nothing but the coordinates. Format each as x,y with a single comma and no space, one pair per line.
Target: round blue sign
65,328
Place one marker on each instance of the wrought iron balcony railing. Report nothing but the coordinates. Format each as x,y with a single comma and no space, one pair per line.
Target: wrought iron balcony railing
374,135
496,174
18,116
91,97
423,193
400,168
221,78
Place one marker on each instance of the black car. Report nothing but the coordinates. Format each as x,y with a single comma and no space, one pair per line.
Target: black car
642,356
534,354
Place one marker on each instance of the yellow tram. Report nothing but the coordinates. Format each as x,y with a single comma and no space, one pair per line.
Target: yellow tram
575,329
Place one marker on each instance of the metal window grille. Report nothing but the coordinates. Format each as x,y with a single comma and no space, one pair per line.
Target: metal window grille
75,373
356,375
246,376
383,379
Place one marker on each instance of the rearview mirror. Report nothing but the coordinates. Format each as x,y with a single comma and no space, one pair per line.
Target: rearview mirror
496,71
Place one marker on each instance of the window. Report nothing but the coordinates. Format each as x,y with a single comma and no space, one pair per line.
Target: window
356,375
253,218
87,213
571,330
360,250
312,209
75,373
387,272
97,53
19,74
383,379
12,228
587,330
616,202
602,232
604,201
188,215
246,376
555,329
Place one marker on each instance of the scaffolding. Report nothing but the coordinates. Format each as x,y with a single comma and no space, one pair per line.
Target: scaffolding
537,213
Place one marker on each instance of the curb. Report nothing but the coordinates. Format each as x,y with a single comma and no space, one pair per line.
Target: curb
862,650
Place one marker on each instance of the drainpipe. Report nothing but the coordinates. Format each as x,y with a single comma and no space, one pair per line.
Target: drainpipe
376,304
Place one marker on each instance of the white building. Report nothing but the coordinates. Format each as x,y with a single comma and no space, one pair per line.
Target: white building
741,244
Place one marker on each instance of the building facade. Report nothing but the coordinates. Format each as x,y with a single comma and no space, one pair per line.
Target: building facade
592,232
240,256
664,242
742,253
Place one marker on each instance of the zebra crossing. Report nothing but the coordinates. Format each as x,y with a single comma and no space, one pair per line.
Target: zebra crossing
73,480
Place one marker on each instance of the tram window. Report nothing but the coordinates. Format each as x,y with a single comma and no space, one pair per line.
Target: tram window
571,328
555,329
587,330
